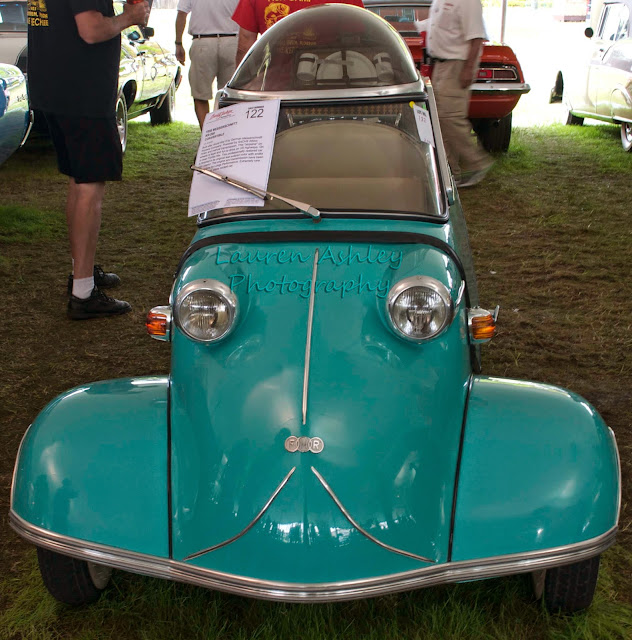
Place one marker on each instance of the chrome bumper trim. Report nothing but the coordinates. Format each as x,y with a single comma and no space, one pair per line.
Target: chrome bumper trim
491,88
321,592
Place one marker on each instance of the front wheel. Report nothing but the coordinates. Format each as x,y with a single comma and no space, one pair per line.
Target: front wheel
494,135
626,136
164,113
121,120
570,588
70,580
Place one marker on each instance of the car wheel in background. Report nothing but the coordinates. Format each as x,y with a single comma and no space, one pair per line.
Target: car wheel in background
494,135
574,120
557,91
626,136
70,580
569,588
164,113
121,120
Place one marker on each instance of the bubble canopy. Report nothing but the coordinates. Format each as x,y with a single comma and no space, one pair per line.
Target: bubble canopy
323,48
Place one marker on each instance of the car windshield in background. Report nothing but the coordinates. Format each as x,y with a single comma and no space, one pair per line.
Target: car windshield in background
359,158
12,16
311,53
405,19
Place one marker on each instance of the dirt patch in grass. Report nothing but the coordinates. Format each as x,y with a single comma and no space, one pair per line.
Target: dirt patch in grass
551,231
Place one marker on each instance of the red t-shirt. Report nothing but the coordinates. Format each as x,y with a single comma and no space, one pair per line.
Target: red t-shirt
259,15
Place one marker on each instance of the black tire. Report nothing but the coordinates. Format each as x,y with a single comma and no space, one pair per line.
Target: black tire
494,135
574,120
557,91
571,588
164,113
626,136
72,581
121,120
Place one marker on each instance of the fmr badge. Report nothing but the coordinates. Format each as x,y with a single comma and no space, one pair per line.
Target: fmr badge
304,444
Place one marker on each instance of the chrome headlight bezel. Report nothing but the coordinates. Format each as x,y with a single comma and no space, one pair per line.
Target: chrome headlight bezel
423,282
218,289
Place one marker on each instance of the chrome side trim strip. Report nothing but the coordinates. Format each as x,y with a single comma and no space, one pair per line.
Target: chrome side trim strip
444,168
365,533
308,342
315,592
498,87
250,526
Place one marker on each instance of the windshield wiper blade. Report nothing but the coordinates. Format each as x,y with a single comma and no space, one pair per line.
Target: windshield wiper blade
303,207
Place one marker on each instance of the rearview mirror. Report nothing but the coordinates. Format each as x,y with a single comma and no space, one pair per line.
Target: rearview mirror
589,32
148,32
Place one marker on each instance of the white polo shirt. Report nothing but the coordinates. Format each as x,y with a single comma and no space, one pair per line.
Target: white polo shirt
210,16
451,24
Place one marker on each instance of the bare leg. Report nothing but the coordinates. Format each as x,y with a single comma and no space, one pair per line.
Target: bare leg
83,216
201,109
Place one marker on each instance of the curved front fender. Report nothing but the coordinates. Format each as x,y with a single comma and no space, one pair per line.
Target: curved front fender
93,466
539,469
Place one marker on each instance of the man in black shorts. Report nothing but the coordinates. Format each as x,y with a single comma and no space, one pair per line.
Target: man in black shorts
73,65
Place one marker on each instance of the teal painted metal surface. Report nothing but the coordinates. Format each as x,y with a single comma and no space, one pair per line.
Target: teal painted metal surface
93,466
539,470
389,412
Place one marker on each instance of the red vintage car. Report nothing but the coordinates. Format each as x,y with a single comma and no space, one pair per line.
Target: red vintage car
500,81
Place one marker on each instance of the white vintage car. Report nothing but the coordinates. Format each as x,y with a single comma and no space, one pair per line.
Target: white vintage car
600,86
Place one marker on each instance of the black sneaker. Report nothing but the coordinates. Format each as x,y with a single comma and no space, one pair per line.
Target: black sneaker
102,279
98,305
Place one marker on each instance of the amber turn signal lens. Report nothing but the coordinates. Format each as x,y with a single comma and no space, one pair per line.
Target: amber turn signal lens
156,324
483,327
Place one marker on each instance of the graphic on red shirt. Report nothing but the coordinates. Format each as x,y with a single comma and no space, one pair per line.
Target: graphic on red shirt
274,12
260,15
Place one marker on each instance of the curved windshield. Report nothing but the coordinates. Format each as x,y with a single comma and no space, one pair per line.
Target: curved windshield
326,47
351,158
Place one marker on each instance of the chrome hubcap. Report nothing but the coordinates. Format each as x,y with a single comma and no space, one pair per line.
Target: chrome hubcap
100,575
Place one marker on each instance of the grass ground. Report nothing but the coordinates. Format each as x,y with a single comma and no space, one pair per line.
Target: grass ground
551,231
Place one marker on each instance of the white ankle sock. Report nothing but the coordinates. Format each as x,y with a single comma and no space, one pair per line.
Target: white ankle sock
82,287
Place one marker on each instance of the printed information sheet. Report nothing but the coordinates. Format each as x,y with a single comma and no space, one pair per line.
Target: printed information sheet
237,142
422,118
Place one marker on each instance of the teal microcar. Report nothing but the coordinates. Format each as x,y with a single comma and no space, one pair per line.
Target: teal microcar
325,432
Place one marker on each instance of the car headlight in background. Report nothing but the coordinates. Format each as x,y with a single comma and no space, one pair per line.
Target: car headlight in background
206,310
419,308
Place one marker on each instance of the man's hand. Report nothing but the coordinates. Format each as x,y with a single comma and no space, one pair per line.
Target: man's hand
136,13
467,75
181,56
470,68
94,27
245,40
181,21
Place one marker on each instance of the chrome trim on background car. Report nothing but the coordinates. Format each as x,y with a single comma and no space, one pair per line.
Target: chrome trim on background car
496,87
318,592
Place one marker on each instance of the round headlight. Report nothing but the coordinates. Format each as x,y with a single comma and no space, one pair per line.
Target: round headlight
419,308
206,310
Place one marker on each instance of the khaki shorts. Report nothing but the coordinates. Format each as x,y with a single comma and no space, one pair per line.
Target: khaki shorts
211,58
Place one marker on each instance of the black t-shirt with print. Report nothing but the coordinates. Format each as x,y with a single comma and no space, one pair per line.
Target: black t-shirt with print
65,74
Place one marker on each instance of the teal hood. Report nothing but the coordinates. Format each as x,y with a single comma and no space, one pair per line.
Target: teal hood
381,418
